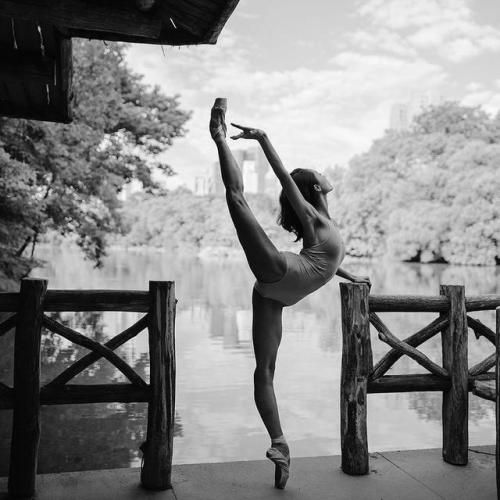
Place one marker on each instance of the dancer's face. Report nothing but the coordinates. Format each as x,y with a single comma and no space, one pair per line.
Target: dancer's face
324,183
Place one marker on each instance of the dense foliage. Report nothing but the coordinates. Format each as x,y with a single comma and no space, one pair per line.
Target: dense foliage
180,221
66,178
429,194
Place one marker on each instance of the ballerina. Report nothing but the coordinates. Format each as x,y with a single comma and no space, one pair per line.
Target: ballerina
282,278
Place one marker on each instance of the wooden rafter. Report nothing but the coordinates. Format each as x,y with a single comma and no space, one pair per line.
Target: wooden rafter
113,16
18,66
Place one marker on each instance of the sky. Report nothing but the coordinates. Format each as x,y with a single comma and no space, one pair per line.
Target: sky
321,77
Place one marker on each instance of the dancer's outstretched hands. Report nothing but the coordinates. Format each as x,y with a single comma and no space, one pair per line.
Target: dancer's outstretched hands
248,133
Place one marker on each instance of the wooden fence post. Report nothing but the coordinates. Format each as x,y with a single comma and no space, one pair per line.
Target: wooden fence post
157,469
356,366
497,402
26,423
456,398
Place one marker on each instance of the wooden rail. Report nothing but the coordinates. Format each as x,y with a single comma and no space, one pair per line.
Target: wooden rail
26,396
359,376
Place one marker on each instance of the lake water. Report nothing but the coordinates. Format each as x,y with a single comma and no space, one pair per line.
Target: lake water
215,415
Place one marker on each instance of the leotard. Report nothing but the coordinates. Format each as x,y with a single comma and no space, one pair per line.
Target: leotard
306,271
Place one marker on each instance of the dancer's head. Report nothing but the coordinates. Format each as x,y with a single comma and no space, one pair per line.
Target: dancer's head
314,187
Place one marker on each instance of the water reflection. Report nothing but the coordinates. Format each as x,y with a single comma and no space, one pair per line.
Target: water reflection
216,419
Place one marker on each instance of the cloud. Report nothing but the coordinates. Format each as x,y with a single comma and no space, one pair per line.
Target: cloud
479,95
380,40
316,117
446,26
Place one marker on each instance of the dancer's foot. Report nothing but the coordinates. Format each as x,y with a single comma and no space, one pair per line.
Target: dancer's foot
280,455
217,119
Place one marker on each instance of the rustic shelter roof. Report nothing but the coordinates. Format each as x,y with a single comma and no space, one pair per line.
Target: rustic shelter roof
35,42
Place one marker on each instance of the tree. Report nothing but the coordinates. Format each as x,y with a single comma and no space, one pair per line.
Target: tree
428,194
66,177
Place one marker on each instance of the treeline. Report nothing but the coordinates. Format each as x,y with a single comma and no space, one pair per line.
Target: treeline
178,221
429,194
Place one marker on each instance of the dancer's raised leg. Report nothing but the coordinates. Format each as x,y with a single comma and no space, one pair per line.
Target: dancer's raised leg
264,259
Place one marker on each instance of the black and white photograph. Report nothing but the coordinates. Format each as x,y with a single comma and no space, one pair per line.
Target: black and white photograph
250,249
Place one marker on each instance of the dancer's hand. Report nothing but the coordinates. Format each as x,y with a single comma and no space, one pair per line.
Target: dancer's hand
248,133
362,279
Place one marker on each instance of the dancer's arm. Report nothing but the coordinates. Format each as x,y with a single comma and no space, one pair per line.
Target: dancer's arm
342,273
304,210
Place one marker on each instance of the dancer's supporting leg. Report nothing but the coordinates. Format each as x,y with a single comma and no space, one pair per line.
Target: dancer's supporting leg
266,336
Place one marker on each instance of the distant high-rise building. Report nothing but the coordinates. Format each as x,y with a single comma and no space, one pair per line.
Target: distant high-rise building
256,171
402,113
400,117
216,184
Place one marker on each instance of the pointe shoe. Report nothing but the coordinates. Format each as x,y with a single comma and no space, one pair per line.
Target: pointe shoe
217,118
281,458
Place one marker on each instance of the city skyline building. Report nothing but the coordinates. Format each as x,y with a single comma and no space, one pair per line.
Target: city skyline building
258,177
403,113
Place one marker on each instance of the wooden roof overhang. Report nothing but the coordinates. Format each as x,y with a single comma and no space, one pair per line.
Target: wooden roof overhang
35,42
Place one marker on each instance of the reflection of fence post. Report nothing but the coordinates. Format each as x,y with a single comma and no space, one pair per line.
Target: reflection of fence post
497,402
156,473
356,366
456,398
26,423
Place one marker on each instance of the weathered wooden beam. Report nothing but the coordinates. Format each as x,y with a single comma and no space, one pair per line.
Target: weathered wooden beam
50,115
419,383
497,399
481,330
92,345
456,398
26,394
168,36
414,340
187,19
485,390
64,82
356,368
84,300
95,393
97,300
6,397
8,324
110,16
408,383
483,366
80,365
80,394
158,448
425,303
17,66
214,31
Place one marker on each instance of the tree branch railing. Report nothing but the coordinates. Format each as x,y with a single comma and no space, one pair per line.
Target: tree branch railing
359,376
26,396
95,347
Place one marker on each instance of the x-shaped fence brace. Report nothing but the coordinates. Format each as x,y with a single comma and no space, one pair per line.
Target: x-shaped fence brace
98,350
408,346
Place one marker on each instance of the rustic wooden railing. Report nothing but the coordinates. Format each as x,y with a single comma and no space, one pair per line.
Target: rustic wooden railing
26,396
455,379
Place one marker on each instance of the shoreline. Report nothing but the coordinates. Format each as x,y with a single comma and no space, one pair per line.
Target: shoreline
231,253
